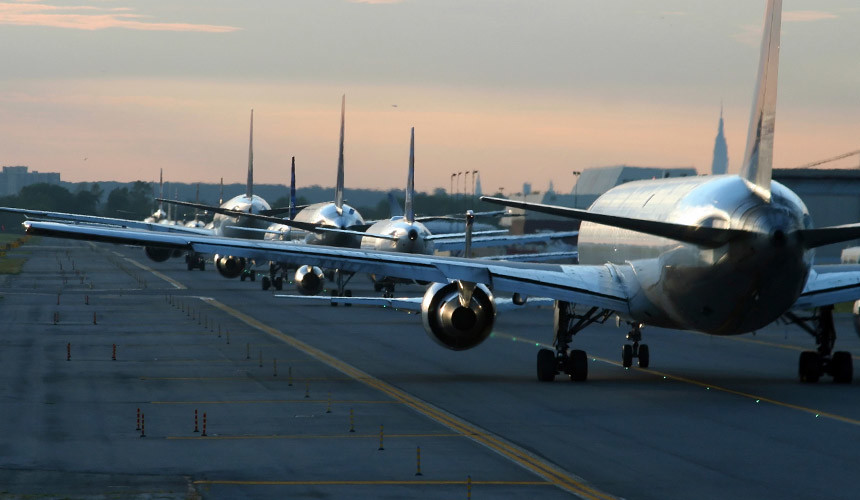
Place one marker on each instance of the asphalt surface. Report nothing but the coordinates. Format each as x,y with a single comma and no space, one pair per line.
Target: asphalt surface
712,418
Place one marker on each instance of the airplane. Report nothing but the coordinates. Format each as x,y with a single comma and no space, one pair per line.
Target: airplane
723,255
237,208
404,233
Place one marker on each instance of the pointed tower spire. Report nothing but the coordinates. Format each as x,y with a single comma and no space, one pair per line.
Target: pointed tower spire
720,163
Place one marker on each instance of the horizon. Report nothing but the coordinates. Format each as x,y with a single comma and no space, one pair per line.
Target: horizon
522,92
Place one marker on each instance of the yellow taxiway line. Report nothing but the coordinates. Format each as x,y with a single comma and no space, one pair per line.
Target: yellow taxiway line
516,454
166,278
421,482
707,386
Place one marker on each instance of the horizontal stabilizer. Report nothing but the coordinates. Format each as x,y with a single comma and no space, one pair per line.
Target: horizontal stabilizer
814,238
709,237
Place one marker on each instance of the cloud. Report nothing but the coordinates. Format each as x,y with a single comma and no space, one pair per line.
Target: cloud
803,16
750,34
90,18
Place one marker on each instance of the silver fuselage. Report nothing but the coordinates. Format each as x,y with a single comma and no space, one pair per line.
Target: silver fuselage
221,224
326,214
736,288
410,237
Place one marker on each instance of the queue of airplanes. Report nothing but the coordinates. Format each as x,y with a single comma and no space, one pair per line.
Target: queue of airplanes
722,254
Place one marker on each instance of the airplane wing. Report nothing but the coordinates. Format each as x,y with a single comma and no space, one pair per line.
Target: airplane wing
108,221
501,240
598,286
534,257
829,285
411,304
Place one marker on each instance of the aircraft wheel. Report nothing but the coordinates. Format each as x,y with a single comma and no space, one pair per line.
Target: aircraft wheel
334,294
253,276
242,276
377,287
643,356
809,368
266,282
626,355
189,263
279,282
842,367
202,265
347,293
546,365
578,363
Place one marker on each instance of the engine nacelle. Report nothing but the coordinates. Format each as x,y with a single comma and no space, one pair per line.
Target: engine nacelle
158,254
309,280
453,326
229,266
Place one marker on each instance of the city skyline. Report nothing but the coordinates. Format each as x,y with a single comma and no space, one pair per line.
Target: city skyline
521,91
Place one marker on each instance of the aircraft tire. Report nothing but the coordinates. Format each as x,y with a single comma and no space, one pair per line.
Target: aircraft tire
627,355
578,361
253,276
202,265
809,367
266,282
842,367
279,282
546,365
644,357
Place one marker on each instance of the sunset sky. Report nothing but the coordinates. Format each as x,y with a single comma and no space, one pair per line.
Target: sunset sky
523,91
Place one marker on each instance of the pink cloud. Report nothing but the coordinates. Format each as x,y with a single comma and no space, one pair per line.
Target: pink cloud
90,18
798,16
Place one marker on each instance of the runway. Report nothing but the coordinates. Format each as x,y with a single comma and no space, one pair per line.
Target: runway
713,417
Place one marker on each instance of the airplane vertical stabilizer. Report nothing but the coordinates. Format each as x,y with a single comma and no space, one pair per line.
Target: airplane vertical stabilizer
409,212
293,190
338,193
758,156
249,190
221,193
161,189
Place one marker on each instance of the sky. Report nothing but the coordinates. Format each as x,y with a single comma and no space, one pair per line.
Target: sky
522,91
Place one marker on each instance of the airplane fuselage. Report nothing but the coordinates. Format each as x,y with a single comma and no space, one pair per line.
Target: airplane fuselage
732,289
222,223
410,237
326,214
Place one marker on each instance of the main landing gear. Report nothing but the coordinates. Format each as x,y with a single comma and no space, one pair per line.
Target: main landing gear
814,364
274,279
567,323
341,279
194,261
635,350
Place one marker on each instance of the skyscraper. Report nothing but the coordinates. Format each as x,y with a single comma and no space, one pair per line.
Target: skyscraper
720,164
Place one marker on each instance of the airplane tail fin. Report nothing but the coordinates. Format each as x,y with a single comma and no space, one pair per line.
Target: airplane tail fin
161,189
221,193
338,193
293,190
758,156
409,212
249,190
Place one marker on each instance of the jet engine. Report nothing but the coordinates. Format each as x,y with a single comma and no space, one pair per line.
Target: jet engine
229,266
309,280
158,254
452,325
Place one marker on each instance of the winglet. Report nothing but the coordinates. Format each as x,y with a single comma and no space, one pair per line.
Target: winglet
249,190
293,190
758,156
338,193
409,212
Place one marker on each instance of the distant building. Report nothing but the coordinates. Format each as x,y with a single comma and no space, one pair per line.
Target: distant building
720,164
12,179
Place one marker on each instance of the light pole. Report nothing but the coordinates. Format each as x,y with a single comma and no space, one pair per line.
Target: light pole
451,191
474,173
458,182
576,173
